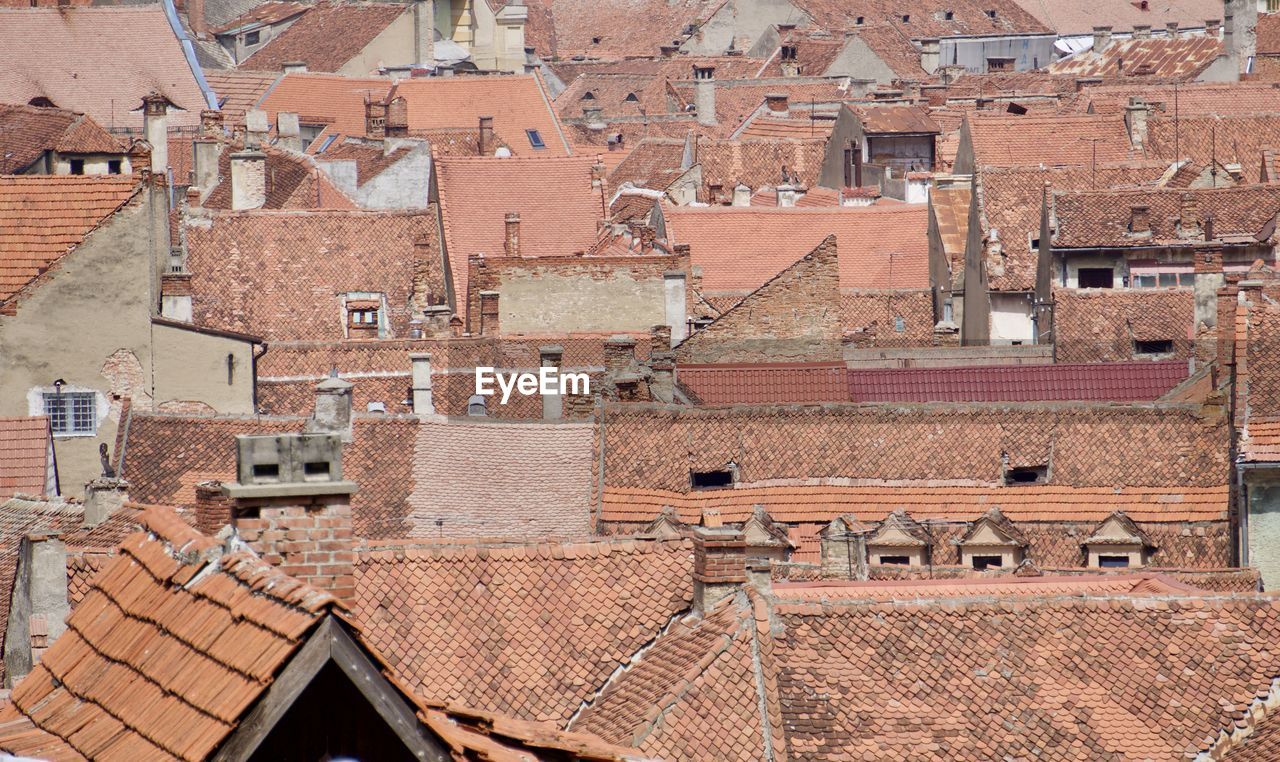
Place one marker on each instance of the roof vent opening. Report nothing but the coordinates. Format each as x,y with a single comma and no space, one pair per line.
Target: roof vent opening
1026,475
711,479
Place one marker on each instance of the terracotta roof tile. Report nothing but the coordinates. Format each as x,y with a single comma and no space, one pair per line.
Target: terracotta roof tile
566,28
996,588
1103,218
757,163
326,37
740,248
771,128
1229,137
1162,57
558,207
281,274
42,217
766,383
1191,97
25,456
1081,16
1113,382
652,163
927,19
98,61
1054,140
266,13
525,630
238,91
1268,31
26,132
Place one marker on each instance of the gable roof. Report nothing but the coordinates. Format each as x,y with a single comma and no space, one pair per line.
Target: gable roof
1229,137
1159,57
1089,219
558,207
927,19
43,217
281,274
238,91
759,162
97,61
1054,140
26,456
533,630
566,28
326,37
995,519
293,181
1188,97
740,248
26,132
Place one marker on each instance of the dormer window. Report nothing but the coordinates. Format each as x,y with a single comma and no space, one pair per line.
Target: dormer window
595,40
906,18
948,15
631,98
859,21
991,14
252,38
788,52
992,542
1026,475
588,96
1118,543
364,316
711,479
898,541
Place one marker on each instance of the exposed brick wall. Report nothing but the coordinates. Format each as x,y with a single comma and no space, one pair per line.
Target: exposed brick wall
311,542
1101,325
796,316
870,319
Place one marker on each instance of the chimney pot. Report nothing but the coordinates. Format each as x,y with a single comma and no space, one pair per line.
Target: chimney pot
155,110
103,497
248,180
1172,28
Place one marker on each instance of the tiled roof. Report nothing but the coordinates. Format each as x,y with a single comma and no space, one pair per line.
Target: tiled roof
1263,745
98,61
238,91
764,383
516,103
1176,58
888,120
814,54
1229,137
1054,140
802,503
1089,444
1089,218
266,13
1011,198
653,163
1113,382
326,37
565,28
951,210
687,697
737,100
813,197
526,630
927,18
739,248
325,99
999,588
1100,325
759,162
892,45
293,181
480,479
166,456
558,208
800,128
280,274
1268,31
26,132
371,158
25,449
615,95
230,628
1191,97
1081,16
42,217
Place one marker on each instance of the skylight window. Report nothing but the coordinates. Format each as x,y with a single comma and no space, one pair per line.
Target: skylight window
535,139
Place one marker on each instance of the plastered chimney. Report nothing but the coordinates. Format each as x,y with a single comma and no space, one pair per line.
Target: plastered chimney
511,245
423,404
248,179
288,131
550,356
786,195
705,97
1101,39
256,126
333,408
155,117
293,67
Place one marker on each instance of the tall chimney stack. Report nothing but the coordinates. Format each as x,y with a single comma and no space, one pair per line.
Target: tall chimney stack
155,111
512,245
248,179
485,140
705,95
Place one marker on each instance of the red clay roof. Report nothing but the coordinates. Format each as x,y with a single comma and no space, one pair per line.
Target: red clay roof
1054,140
1104,382
526,630
803,503
1079,17
928,18
42,217
1006,586
1089,218
1191,97
238,91
25,450
266,13
26,132
558,208
1176,58
98,61
740,248
565,28
327,36
773,382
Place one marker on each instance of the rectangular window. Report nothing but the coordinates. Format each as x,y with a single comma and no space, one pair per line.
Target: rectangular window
71,413
895,561
1096,277
1186,279
1000,64
77,166
1027,475
711,479
252,38
1113,562
1144,281
1168,279
114,166
1153,347
535,139
987,562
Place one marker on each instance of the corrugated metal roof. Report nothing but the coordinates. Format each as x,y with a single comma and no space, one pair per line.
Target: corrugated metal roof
1109,382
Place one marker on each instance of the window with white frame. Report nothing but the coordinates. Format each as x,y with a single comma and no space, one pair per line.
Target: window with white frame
71,413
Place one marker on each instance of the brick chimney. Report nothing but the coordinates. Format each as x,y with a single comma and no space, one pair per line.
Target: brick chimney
248,179
485,139
213,507
155,118
777,103
375,118
489,316
511,245
195,18
719,563
1139,219
397,124
292,506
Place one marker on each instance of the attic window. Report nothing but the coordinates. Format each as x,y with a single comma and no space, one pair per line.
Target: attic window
631,98
1027,475
788,52
859,21
981,563
41,102
1153,347
1113,562
77,166
948,15
587,96
906,18
535,139
894,560
363,317
1002,63
252,38
595,40
114,167
991,14
1096,277
711,479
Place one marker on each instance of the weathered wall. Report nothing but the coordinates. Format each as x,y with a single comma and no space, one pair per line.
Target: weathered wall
888,318
191,367
973,52
88,323
1101,325
1264,531
859,61
403,185
846,132
794,317
392,47
741,21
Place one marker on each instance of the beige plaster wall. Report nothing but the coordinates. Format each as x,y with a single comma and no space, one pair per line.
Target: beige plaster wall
548,302
392,47
191,372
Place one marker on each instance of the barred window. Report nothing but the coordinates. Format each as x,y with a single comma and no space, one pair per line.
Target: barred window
71,412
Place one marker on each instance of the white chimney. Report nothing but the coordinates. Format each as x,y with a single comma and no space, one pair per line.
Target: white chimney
422,402
1101,38
155,109
741,195
786,195
705,95
248,180
288,131
256,126
294,67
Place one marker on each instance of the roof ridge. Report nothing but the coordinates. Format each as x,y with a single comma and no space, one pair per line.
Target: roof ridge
413,549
